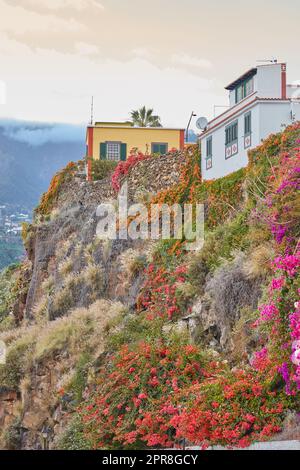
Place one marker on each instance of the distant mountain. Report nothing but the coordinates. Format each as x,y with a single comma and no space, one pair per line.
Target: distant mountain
30,154
193,137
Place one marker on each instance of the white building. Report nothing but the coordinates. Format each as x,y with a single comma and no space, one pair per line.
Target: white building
260,103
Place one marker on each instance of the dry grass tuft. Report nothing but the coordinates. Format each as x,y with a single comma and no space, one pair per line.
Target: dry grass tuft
65,267
83,330
258,263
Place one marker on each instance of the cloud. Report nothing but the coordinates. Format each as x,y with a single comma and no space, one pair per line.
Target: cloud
54,86
2,92
52,5
37,134
84,48
192,61
142,52
17,21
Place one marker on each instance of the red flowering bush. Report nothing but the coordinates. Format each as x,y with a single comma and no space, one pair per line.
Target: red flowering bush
158,295
124,167
232,408
157,393
141,382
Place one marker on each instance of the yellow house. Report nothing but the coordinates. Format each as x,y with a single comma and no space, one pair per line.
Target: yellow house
115,140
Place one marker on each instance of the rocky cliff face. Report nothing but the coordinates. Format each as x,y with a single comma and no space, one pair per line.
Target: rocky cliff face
67,243
79,288
68,271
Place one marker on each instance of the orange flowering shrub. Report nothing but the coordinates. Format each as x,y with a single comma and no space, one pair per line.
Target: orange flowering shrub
189,181
221,197
49,198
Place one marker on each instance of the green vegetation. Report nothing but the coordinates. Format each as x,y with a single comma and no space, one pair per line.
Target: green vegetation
79,380
82,330
145,118
73,437
102,169
14,282
12,435
18,360
7,292
10,252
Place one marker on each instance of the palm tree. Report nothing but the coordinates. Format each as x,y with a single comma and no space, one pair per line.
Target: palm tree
144,118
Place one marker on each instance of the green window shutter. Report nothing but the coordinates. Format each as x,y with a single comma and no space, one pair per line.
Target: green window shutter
123,152
155,148
103,151
247,123
209,147
163,149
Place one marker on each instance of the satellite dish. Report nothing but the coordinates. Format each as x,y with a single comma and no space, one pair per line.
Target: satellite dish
201,123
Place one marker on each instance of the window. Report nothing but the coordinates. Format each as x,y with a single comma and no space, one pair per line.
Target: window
244,89
247,130
249,87
157,147
209,153
239,93
231,139
247,123
113,151
231,133
209,147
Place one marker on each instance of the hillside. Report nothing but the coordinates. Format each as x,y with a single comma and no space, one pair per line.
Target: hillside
138,343
30,154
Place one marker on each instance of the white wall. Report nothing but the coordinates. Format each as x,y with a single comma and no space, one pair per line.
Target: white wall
220,165
269,81
274,117
231,111
267,118
293,91
232,98
296,110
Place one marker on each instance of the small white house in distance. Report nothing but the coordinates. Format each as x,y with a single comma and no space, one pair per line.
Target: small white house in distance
260,103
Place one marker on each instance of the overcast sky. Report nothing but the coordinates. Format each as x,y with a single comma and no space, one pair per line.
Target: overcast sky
173,55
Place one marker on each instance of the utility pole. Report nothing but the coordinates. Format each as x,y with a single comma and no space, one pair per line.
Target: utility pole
187,129
92,111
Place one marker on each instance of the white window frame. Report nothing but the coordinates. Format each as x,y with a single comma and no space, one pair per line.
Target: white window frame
208,159
113,154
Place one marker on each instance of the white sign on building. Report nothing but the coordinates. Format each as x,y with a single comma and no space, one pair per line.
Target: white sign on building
260,103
